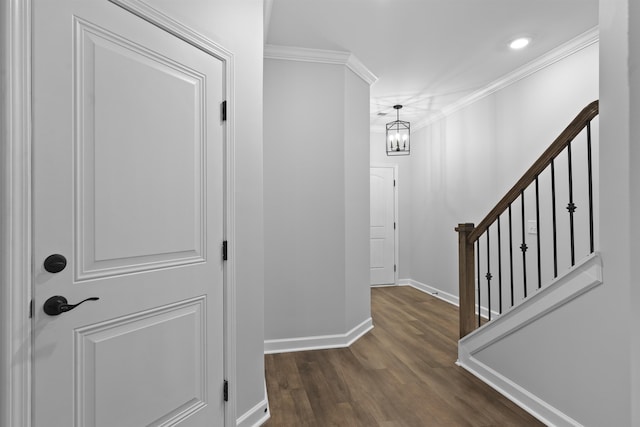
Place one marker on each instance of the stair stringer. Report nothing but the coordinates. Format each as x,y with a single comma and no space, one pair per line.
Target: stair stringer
581,278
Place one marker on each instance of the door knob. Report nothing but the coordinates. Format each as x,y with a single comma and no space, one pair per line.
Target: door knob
55,263
57,304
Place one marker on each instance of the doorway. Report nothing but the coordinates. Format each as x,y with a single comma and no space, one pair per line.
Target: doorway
86,146
383,225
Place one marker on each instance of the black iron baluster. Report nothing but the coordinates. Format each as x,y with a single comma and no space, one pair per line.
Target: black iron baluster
553,211
523,248
488,276
511,254
590,172
538,234
499,269
478,264
571,207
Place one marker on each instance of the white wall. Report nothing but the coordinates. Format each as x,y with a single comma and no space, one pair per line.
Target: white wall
404,222
304,199
316,199
464,163
237,26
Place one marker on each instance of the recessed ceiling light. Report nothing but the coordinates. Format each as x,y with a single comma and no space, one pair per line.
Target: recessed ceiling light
519,43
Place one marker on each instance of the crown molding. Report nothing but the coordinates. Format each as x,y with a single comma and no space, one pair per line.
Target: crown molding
354,64
302,54
574,45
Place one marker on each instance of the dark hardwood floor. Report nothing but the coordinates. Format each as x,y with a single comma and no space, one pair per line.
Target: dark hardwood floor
402,373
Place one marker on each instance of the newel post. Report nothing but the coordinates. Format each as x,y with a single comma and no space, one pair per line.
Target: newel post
466,267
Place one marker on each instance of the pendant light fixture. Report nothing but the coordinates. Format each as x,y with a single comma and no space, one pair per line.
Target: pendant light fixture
398,136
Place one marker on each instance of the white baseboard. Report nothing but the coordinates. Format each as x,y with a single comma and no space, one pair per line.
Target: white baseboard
445,296
257,415
537,407
318,342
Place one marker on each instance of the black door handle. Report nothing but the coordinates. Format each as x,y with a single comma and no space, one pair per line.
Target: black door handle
57,304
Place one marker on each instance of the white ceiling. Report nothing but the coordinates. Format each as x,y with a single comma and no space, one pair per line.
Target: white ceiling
428,53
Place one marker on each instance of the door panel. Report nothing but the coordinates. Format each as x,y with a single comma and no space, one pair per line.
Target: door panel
162,222
377,253
121,367
382,234
128,186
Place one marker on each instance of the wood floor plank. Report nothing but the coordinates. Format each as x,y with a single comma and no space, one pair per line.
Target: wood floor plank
400,374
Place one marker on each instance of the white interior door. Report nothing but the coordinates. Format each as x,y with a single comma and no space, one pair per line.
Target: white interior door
128,187
382,225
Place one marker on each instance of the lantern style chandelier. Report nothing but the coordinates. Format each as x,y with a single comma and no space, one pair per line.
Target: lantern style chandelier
398,140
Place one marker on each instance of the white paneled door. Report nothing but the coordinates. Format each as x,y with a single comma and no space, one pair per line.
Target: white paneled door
128,191
382,225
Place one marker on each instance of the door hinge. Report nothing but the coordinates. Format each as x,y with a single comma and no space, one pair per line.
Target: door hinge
394,182
224,251
223,111
225,391
31,309
394,225
394,268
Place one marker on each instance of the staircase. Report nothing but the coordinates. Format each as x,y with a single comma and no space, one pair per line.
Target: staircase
534,253
511,231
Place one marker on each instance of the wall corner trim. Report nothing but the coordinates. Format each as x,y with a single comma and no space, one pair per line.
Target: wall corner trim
574,45
302,54
320,342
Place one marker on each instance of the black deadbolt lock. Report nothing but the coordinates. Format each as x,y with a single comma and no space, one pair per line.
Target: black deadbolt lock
55,263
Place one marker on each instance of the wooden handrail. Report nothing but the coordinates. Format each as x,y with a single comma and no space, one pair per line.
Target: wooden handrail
567,135
468,234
